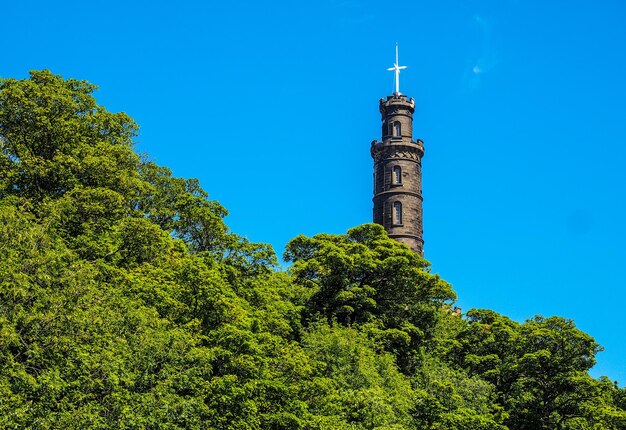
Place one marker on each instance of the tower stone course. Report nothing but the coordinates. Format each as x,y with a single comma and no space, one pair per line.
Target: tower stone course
398,173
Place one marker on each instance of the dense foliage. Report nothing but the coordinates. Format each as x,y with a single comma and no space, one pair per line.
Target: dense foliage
126,302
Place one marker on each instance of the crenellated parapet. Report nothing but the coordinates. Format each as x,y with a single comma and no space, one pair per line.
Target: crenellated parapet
391,149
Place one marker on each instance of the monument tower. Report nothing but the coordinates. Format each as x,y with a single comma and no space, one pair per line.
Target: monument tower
398,170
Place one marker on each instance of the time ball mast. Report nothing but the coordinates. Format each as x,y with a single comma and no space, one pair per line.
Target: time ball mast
398,169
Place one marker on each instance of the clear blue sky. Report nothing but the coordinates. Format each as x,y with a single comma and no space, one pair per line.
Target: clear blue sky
273,105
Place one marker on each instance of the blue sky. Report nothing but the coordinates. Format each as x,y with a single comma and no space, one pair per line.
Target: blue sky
273,105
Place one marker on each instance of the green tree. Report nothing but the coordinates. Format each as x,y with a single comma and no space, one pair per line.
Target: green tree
126,302
364,277
124,296
359,385
450,398
55,137
539,368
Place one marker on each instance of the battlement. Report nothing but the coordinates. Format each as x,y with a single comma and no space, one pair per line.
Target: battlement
411,150
397,100
397,141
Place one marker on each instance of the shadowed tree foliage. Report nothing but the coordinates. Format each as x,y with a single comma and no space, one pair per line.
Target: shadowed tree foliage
366,278
539,369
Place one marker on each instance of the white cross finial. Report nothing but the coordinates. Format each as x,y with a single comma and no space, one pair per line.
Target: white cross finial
396,67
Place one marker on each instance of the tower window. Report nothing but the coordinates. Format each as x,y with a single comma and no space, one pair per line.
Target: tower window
397,129
397,213
397,175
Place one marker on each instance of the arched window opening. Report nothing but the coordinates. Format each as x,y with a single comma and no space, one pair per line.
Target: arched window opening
397,212
397,129
397,175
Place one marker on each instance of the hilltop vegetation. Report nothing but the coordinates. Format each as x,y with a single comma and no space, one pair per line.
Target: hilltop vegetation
126,302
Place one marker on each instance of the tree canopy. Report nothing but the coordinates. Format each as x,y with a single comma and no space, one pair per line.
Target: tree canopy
126,302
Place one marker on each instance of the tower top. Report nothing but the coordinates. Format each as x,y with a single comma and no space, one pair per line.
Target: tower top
396,68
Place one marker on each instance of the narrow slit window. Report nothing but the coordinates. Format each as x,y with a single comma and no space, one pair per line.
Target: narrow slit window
397,211
397,175
397,129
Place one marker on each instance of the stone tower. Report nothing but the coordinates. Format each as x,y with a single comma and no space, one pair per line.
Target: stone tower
398,172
